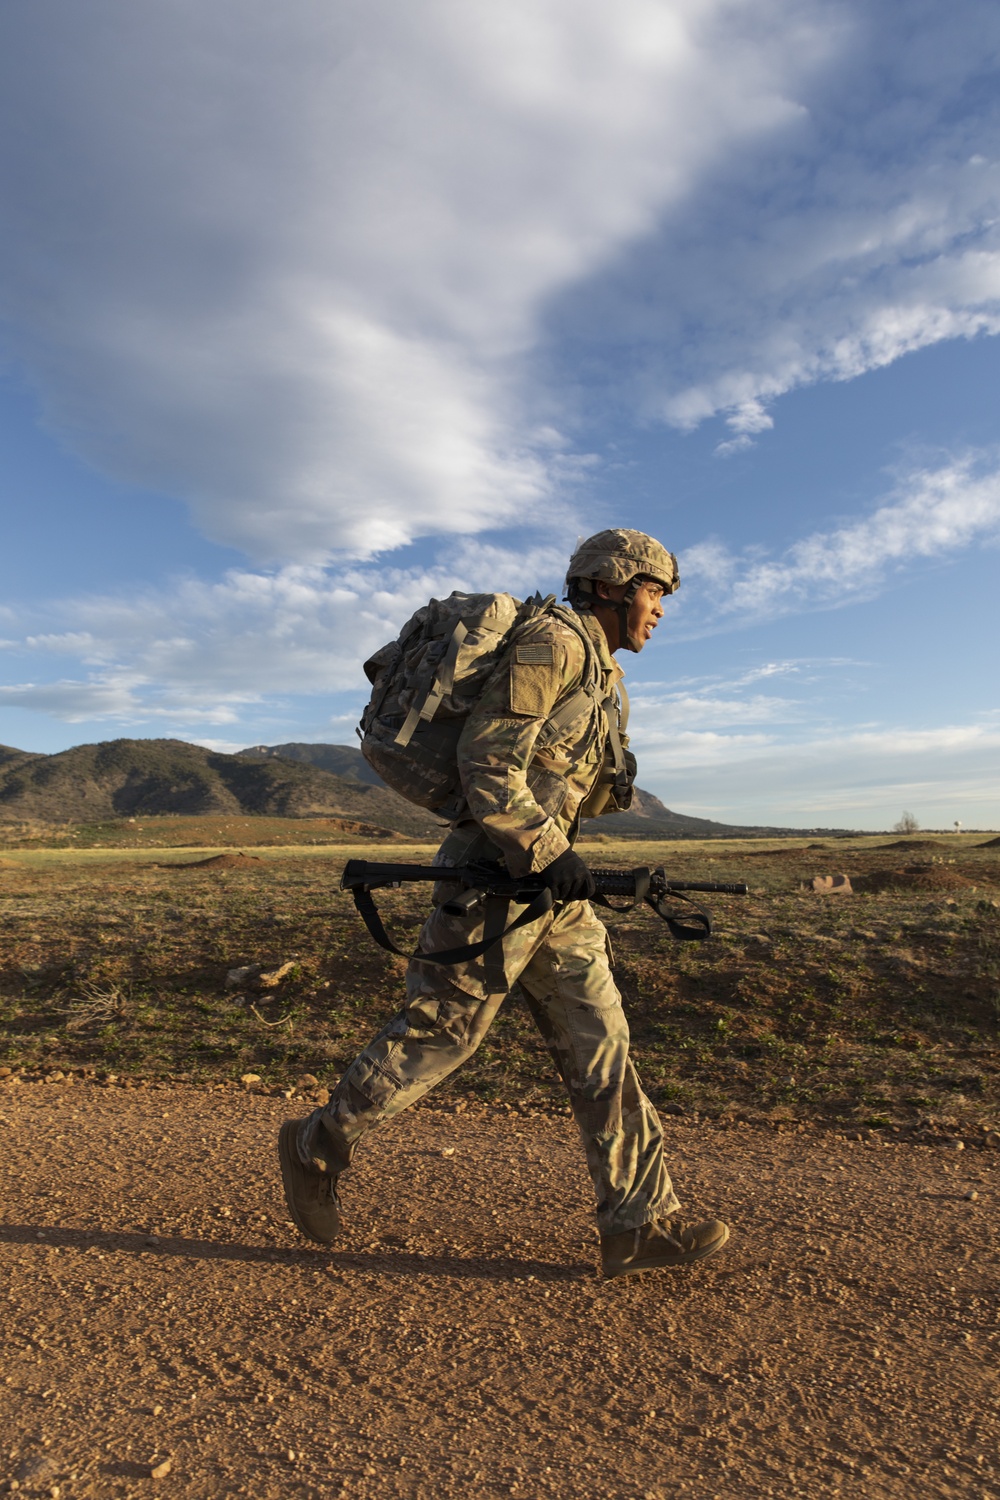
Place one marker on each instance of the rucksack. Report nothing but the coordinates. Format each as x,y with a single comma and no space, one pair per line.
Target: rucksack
426,682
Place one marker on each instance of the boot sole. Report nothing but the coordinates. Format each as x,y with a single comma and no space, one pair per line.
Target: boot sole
686,1259
292,1175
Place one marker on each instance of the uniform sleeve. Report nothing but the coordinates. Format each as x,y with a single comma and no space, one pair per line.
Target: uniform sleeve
498,741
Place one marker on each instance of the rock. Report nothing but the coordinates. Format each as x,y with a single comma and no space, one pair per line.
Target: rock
161,1470
272,980
828,885
250,1080
971,1196
245,975
38,1467
307,1081
991,1138
447,1151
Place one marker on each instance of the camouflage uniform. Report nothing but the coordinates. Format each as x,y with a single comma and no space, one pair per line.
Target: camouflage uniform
526,790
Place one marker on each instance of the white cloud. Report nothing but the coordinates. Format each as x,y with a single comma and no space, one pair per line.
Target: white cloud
332,278
287,266
830,776
930,513
707,711
201,651
109,696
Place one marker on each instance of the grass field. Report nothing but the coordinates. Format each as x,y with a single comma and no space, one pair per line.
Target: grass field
877,1008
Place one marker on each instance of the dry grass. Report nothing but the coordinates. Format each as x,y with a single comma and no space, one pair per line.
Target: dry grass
877,1007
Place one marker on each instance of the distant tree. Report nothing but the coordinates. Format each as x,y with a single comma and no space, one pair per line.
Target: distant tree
906,824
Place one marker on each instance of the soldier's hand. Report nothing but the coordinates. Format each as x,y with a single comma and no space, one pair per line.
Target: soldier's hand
568,878
630,767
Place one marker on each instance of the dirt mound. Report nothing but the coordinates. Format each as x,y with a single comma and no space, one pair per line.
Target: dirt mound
779,853
913,878
355,829
909,844
990,844
237,861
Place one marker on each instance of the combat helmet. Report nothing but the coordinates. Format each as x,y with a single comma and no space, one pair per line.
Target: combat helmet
619,556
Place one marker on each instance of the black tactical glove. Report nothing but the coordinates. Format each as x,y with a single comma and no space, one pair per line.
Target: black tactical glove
568,878
630,767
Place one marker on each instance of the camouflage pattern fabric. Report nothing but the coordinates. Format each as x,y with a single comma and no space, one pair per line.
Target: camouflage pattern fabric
562,963
526,789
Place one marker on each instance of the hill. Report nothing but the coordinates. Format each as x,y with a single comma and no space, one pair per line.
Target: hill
647,818
132,778
342,760
145,778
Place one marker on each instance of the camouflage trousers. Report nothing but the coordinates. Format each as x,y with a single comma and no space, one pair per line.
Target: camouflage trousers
562,963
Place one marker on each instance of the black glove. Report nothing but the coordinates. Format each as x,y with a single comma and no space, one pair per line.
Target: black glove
568,878
630,767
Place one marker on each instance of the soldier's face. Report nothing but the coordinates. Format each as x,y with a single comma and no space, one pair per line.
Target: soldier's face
645,613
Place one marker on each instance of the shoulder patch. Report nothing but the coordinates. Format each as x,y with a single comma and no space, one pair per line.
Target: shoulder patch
534,653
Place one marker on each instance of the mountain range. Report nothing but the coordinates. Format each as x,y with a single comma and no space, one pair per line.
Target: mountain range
131,778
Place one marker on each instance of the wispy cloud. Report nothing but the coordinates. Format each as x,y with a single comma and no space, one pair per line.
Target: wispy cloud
830,775
930,513
199,651
866,228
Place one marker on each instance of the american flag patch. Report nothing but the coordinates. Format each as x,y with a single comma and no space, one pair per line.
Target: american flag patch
534,654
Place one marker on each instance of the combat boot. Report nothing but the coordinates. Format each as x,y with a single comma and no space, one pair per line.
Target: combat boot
311,1195
660,1245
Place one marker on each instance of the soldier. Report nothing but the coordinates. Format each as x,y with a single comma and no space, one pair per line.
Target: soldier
529,777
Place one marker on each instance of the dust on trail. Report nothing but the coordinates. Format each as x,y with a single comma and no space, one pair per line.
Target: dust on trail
457,1341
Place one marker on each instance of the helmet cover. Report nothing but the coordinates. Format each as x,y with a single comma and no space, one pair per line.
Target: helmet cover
619,555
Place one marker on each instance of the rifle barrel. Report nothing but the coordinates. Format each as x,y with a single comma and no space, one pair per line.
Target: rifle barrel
723,887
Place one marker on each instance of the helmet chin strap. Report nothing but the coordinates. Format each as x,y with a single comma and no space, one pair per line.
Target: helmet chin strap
624,635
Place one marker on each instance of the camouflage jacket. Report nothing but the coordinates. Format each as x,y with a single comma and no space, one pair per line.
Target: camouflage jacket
528,781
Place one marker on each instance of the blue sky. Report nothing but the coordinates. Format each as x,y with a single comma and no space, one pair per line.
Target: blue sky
305,317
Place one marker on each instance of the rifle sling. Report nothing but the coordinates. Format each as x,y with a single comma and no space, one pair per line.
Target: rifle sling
684,932
536,907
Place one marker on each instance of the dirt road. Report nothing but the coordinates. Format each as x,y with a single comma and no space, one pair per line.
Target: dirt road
167,1334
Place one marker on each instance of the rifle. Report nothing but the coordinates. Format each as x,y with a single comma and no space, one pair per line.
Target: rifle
493,888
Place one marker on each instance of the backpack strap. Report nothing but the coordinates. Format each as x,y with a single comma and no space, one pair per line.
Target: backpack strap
562,717
614,713
444,681
623,716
